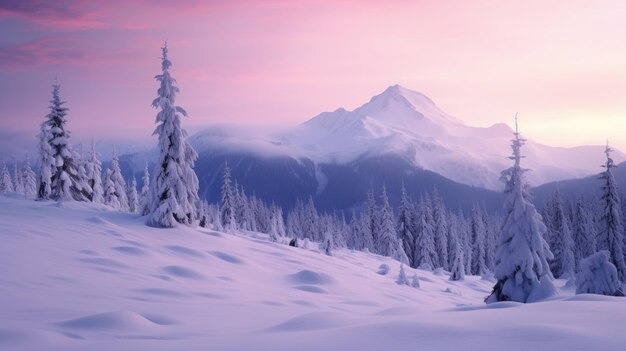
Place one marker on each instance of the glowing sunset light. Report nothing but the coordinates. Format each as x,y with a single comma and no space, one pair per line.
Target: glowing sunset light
561,66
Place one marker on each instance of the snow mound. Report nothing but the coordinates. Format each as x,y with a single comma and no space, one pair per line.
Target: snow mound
118,320
310,278
182,272
226,257
310,321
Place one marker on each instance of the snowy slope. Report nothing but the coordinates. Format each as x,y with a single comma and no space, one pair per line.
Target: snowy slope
80,277
406,123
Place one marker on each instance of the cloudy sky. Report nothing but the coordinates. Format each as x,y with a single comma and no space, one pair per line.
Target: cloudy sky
560,64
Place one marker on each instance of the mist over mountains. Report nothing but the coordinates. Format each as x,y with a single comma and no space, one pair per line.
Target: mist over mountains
399,136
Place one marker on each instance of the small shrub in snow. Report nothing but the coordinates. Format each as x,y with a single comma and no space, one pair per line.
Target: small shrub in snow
306,244
293,242
402,279
598,276
438,271
383,269
415,282
328,245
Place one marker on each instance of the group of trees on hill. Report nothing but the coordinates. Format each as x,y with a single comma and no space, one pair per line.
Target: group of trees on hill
522,250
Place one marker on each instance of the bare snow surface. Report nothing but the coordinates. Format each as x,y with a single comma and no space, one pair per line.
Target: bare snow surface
77,276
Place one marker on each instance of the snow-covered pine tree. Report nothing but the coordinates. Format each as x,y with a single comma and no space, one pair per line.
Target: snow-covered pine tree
563,250
491,239
82,175
441,231
29,179
111,196
584,231
548,214
327,245
6,184
479,249
353,240
611,236
457,266
425,254
373,223
18,182
64,180
277,231
388,243
46,160
311,222
144,197
464,236
294,219
93,171
406,228
402,278
174,190
133,197
522,269
248,221
119,182
598,276
227,203
415,282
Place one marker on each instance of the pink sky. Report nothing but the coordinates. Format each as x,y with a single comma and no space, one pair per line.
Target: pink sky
560,64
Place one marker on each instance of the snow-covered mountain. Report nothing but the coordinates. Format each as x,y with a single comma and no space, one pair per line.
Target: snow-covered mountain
405,123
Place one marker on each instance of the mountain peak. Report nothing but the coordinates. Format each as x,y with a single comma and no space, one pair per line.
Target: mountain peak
398,92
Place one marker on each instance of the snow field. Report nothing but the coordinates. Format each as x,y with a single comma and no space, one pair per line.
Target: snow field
77,276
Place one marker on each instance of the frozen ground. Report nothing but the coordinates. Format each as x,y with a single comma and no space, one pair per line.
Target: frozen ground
81,277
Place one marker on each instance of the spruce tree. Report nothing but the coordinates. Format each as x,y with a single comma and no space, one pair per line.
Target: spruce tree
479,249
584,230
133,197
174,191
93,171
227,203
119,182
425,254
111,196
63,181
611,236
522,269
144,197
441,231
563,249
406,228
6,184
327,245
388,243
18,182
46,161
29,179
457,266
277,230
373,223
402,278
